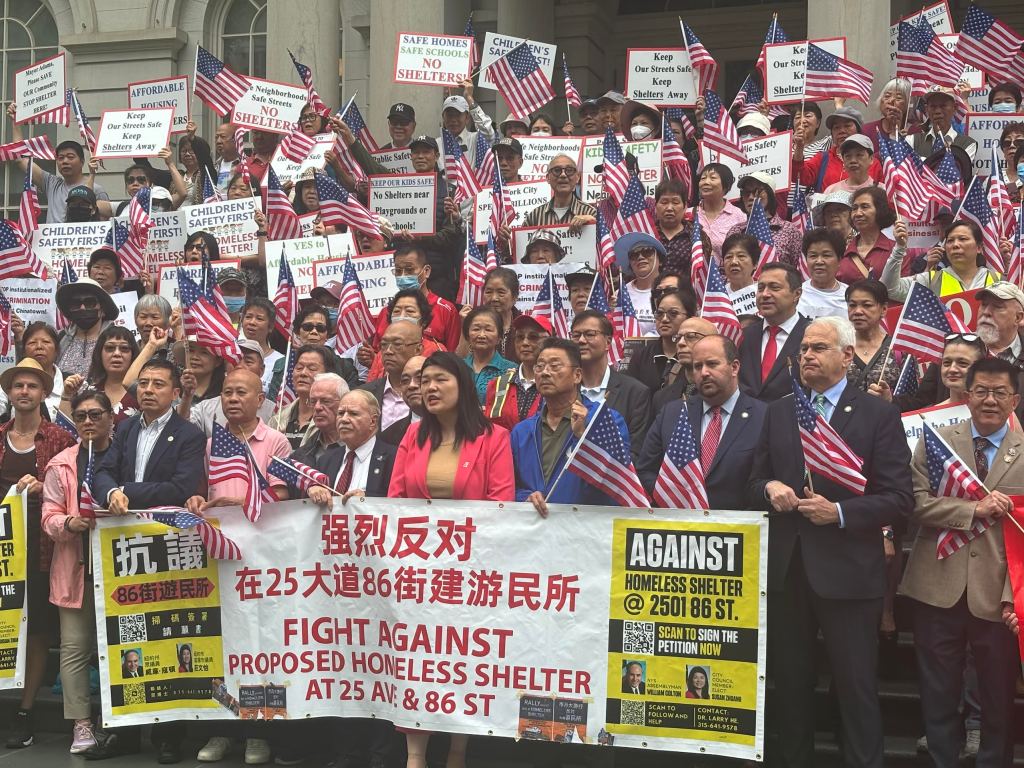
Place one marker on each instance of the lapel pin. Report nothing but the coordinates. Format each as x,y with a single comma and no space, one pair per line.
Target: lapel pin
847,409
744,415
465,464
376,471
1011,453
170,438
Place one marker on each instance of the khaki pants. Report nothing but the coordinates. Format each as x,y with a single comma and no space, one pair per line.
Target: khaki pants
77,643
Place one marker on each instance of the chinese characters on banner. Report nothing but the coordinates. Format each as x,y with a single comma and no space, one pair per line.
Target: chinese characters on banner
13,619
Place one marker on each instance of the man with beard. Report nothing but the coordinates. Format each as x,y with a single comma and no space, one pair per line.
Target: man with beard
90,311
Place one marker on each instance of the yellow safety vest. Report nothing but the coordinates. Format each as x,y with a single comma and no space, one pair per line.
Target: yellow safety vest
949,285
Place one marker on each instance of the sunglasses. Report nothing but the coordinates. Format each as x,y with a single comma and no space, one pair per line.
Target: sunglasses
94,416
88,302
561,171
1014,144
970,338
137,179
318,327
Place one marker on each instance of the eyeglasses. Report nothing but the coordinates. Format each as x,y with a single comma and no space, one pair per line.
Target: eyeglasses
405,272
88,302
549,367
970,338
110,349
1000,394
385,344
136,180
588,335
310,327
1012,143
562,170
308,118
198,245
690,337
671,314
94,416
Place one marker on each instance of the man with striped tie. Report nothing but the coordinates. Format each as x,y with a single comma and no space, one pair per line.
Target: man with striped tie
962,592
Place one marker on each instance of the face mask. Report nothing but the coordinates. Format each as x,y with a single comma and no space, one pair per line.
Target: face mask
332,316
1020,170
85,318
540,132
1003,107
234,303
78,214
406,282
640,132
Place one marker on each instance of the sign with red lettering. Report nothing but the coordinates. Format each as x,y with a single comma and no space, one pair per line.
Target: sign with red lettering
963,305
422,59
270,106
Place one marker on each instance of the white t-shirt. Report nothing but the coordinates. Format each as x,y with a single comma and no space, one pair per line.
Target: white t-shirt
642,304
815,303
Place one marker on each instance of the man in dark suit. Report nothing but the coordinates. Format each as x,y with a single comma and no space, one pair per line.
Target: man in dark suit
592,331
633,680
729,419
826,561
130,664
768,344
402,341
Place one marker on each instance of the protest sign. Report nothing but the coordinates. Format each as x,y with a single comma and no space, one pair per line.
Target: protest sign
231,222
660,76
538,151
40,88
963,305
129,133
406,200
768,154
986,129
648,158
397,160
374,271
301,255
938,17
170,92
423,59
288,170
524,196
786,65
13,582
923,234
496,46
977,100
166,238
125,303
167,276
308,222
936,416
532,277
270,106
578,246
31,299
420,613
744,301
56,243
973,76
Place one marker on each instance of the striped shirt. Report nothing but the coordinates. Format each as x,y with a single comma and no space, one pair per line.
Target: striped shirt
545,214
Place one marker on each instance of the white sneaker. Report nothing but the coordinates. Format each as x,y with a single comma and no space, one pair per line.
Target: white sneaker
83,738
216,748
257,751
972,744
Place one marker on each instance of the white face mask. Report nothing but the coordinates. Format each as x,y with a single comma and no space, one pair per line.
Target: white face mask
1004,108
540,132
640,131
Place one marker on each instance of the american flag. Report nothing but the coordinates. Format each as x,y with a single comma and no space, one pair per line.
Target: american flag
907,383
117,236
243,163
132,251
999,201
520,81
625,314
704,67
948,172
286,300
975,207
210,192
798,212
828,76
719,129
776,34
491,254
676,164
598,301
282,220
296,145
38,147
748,97
87,504
633,214
908,181
67,275
614,173
228,457
6,332
698,261
16,256
949,476
825,452
605,243
456,168
1015,266
572,96
299,476
988,44
353,118
602,459
923,326
923,59
84,129
306,75
355,323
62,421
348,162
28,210
718,307
474,54
257,492
339,208
549,303
209,287
216,84
217,545
680,483
474,273
502,211
484,163
286,394
209,322
757,226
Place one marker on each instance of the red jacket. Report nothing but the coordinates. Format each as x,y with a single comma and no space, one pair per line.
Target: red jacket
508,415
445,323
484,472
809,171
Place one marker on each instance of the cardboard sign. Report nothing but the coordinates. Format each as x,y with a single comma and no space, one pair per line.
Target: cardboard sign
496,46
432,59
287,170
397,160
579,246
973,76
923,234
938,17
660,76
977,100
539,151
167,276
231,222
301,255
56,243
270,106
374,271
128,133
524,195
786,66
125,303
769,154
406,200
170,92
649,167
985,129
532,277
40,88
963,305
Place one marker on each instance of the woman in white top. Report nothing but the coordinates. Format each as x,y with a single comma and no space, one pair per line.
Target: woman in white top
740,253
823,295
641,255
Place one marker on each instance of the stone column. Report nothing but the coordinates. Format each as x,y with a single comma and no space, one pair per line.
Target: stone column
310,30
865,25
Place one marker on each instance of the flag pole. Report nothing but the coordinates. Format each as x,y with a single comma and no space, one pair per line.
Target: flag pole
506,53
575,450
184,333
568,107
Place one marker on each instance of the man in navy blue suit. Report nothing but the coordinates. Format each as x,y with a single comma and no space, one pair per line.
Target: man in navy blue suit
726,424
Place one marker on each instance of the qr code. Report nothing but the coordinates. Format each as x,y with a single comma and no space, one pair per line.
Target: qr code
631,713
638,637
132,628
135,693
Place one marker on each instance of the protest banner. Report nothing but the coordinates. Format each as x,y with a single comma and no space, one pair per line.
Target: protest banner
578,246
302,252
420,613
768,154
963,305
374,271
56,243
496,46
308,222
923,234
986,129
269,106
170,92
13,579
406,200
938,17
231,222
973,76
422,59
167,276
660,76
31,299
524,196
532,277
397,160
786,65
288,170
125,302
648,158
166,239
40,88
936,416
538,151
129,133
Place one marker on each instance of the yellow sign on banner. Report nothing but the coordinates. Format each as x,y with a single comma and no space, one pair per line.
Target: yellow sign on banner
13,618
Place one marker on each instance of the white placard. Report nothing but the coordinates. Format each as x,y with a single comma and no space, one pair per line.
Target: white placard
524,196
937,416
985,129
307,221
166,238
167,276
432,59
125,303
374,271
32,300
288,170
301,255
648,158
270,106
397,160
578,246
532,277
660,76
130,133
785,67
231,222
170,92
406,200
496,46
938,17
973,76
56,243
923,234
40,88
744,301
768,154
538,151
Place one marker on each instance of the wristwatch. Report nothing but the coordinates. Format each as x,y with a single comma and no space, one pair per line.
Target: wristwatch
888,534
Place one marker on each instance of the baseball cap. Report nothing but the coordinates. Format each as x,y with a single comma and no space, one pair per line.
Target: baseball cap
548,236
587,104
229,274
455,102
429,141
832,198
400,111
845,113
248,345
539,320
585,274
755,120
1002,290
81,192
760,176
857,140
160,193
512,144
332,288
938,90
613,96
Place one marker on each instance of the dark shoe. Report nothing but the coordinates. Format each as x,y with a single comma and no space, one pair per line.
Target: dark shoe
168,753
22,731
110,744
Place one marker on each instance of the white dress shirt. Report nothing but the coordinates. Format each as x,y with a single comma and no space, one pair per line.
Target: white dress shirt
360,467
780,339
148,434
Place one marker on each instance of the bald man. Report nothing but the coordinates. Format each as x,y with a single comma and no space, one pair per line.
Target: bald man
680,382
411,387
399,342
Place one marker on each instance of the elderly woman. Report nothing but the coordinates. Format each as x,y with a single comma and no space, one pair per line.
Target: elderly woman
544,247
513,396
866,302
892,104
758,186
740,253
1011,142
501,291
410,305
197,157
826,168
639,121
313,326
866,254
833,212
483,329
717,216
822,294
649,363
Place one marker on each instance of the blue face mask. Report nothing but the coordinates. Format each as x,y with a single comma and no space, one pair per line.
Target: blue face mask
332,317
1020,170
1004,108
234,303
406,282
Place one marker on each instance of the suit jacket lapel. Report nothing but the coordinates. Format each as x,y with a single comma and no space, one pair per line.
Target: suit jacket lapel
845,409
1008,453
752,361
163,442
738,421
468,453
789,349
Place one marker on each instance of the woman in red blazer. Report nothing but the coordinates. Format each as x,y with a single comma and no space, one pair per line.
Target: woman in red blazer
453,453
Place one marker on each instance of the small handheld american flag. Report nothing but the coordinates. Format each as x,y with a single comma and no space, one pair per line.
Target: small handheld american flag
216,84
923,326
602,459
757,226
297,475
680,482
825,452
355,323
520,80
286,299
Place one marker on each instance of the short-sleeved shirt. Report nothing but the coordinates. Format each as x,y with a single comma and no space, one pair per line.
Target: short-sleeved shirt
264,443
546,213
57,196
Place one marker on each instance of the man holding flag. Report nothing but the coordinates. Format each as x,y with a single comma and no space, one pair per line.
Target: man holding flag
826,562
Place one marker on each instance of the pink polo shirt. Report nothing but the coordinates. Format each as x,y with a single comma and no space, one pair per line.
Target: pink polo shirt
264,443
